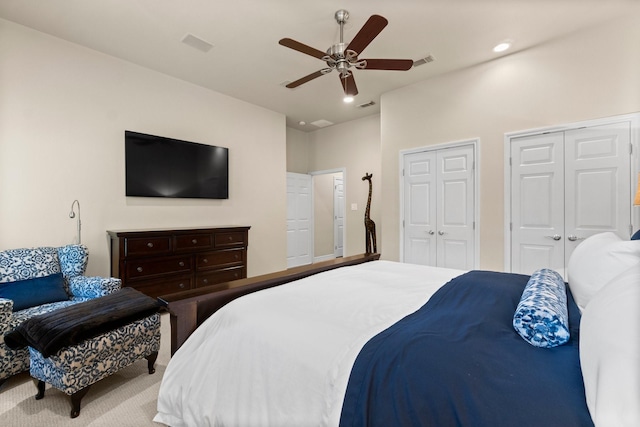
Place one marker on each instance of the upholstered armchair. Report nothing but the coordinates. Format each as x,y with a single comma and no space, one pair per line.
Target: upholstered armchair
39,280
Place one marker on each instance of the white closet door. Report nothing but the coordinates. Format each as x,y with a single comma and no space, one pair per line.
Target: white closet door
439,206
455,204
565,187
420,208
299,220
598,175
537,202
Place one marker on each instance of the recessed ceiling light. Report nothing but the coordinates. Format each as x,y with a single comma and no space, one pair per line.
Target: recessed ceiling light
347,99
502,46
302,123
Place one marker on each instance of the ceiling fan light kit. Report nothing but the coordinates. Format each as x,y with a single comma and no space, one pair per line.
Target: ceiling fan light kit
342,56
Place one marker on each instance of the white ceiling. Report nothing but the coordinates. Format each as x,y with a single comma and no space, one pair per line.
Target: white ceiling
246,61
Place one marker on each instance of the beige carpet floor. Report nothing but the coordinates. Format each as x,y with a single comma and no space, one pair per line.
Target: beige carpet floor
127,398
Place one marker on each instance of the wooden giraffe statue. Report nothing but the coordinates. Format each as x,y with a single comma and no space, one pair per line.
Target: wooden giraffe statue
369,225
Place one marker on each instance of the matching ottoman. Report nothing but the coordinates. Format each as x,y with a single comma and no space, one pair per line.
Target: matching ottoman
73,347
75,368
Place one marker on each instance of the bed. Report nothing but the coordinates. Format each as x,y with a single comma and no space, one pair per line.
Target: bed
385,343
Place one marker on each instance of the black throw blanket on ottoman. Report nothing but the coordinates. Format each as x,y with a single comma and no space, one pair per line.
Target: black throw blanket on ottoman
71,325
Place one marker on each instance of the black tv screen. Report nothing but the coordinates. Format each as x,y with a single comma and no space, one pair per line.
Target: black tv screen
165,167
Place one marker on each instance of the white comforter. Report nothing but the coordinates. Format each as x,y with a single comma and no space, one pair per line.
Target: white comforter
282,356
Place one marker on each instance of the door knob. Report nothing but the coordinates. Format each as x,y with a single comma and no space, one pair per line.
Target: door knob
431,232
574,238
556,237
441,233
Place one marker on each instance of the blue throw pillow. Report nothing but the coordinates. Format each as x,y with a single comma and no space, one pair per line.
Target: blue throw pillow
541,317
636,235
33,292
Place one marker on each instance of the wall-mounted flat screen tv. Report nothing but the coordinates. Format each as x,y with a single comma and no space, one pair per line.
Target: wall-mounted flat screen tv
165,167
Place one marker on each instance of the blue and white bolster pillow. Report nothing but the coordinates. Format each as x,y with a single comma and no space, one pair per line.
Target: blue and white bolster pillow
541,317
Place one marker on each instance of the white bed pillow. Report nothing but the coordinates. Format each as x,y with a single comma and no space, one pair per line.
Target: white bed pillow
610,352
596,261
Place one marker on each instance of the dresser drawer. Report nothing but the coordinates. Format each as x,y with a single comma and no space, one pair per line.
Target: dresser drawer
157,266
232,238
220,259
163,286
191,242
141,246
219,276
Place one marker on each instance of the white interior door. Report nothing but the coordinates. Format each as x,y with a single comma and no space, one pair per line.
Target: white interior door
299,220
565,187
598,174
439,207
338,216
537,202
455,204
420,208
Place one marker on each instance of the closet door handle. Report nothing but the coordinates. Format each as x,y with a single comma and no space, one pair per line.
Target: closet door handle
441,233
431,232
574,238
556,237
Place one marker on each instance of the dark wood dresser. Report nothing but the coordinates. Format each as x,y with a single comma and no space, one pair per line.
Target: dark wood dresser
164,261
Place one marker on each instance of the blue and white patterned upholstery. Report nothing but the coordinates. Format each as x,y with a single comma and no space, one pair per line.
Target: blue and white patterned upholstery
541,317
21,264
30,263
83,288
73,260
76,367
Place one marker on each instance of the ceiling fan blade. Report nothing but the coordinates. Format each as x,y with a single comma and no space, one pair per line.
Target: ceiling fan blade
305,79
388,64
367,33
300,47
349,84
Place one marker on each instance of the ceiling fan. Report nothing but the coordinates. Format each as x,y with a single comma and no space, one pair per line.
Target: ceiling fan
342,56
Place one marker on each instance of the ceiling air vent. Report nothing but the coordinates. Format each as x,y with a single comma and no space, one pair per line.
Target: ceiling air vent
367,104
322,123
197,43
425,60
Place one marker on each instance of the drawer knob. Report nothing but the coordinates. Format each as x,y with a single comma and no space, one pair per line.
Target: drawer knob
181,263
205,260
237,256
139,269
235,274
205,281
194,241
230,238
150,244
181,285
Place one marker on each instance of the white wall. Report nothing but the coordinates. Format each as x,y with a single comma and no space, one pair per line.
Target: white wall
355,146
587,75
297,151
63,112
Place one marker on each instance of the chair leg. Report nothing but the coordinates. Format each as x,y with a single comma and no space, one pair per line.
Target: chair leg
75,401
151,361
40,385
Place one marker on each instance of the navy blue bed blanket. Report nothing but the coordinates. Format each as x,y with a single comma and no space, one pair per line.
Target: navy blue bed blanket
457,361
